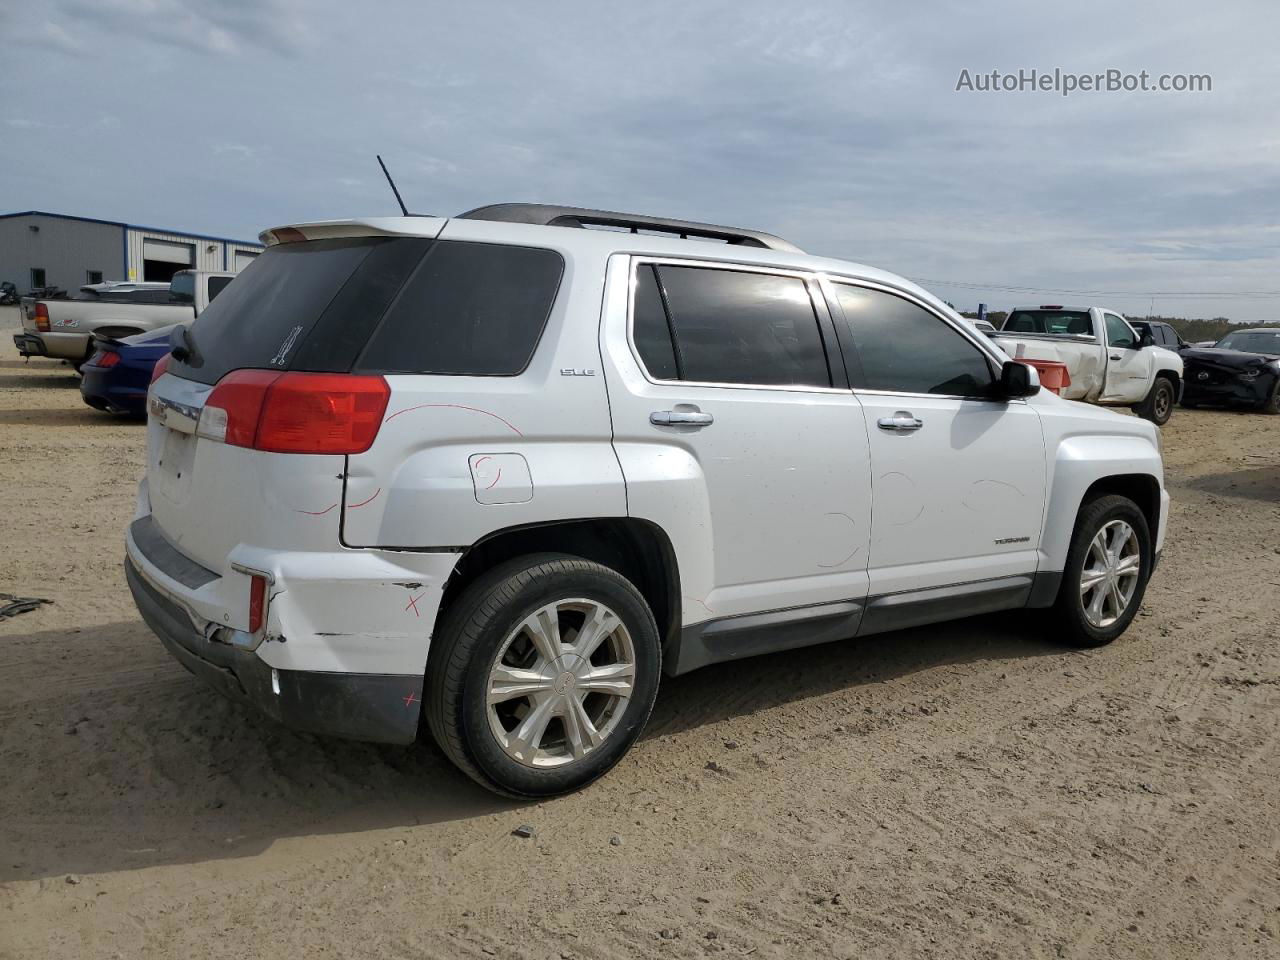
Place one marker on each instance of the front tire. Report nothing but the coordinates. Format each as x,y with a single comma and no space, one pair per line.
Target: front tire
1272,404
542,675
1158,406
1106,573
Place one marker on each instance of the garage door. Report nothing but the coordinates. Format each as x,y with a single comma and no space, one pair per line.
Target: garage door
244,258
167,252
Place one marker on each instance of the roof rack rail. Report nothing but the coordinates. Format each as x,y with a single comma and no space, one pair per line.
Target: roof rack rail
549,215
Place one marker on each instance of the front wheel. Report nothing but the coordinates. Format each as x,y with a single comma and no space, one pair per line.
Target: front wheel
1158,406
542,675
1108,565
1272,404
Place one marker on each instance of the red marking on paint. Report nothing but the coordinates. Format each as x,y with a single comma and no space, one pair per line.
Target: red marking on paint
317,513
363,502
495,480
410,700
701,603
413,602
456,406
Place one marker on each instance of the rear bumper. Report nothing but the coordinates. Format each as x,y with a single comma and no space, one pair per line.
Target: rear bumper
60,346
118,392
344,647
380,708
29,345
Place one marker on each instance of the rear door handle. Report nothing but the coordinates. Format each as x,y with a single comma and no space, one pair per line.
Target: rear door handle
900,422
680,418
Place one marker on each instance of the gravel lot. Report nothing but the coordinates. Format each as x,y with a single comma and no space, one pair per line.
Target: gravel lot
965,790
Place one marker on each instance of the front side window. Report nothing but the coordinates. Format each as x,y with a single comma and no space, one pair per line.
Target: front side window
1118,332
904,348
728,326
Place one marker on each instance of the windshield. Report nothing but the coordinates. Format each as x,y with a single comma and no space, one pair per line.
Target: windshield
1066,322
1253,341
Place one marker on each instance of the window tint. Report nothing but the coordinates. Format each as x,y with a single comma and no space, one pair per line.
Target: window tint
37,277
473,309
737,327
1118,332
260,321
650,328
216,285
905,348
93,276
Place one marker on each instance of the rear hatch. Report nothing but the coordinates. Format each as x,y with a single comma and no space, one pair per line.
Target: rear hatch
276,345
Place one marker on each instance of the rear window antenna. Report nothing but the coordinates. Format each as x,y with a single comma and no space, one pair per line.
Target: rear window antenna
386,173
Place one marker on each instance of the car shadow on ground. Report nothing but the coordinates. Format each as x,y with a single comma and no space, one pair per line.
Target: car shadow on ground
52,380
147,766
1257,483
86,417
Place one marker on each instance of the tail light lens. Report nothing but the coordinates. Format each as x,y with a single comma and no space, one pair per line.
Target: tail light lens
42,318
257,602
104,358
161,366
296,412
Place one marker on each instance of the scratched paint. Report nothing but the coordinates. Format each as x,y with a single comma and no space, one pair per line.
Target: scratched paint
457,406
317,513
364,502
897,500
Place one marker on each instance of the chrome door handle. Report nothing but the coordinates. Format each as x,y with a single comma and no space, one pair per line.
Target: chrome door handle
680,418
900,423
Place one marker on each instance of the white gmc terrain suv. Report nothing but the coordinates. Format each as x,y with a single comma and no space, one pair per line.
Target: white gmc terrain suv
501,471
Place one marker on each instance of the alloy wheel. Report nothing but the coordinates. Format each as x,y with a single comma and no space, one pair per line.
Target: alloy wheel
560,682
1110,574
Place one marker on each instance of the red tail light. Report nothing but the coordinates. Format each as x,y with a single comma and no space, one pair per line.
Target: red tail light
257,602
296,412
104,358
42,318
161,366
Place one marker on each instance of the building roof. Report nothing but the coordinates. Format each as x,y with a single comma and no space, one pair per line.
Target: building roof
131,226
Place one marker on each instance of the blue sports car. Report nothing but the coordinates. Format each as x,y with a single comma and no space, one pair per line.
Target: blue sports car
116,377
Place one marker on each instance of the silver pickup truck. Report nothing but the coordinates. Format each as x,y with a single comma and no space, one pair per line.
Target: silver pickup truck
63,327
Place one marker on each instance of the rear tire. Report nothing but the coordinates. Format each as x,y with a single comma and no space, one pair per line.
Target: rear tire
1158,406
542,675
1106,573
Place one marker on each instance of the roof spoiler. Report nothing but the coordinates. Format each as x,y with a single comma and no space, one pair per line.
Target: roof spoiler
548,215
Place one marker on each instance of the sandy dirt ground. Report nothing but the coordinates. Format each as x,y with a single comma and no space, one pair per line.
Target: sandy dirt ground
969,790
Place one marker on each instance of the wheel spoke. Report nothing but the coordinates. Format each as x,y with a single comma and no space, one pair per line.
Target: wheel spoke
616,679
1096,604
507,683
543,629
524,741
1117,598
597,626
1128,566
1091,578
1119,540
578,728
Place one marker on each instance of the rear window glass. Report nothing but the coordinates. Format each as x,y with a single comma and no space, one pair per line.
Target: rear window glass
217,285
1073,322
470,309
379,304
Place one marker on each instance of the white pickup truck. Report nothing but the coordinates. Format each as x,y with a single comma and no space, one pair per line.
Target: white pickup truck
63,327
1109,362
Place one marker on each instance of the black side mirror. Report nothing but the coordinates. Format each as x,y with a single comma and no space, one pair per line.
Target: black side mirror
1018,380
1146,340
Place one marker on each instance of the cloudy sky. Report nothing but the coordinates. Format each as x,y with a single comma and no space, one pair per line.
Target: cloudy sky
835,125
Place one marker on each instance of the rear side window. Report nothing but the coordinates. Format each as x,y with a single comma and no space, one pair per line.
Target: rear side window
470,309
903,348
732,326
651,329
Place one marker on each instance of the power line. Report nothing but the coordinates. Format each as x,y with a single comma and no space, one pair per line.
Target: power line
1228,294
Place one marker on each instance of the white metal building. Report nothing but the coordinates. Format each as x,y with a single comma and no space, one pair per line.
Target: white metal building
39,249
